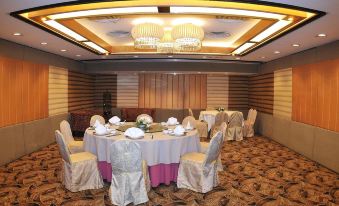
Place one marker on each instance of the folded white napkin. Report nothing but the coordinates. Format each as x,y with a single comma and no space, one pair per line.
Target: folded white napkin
189,126
179,130
114,120
100,129
96,124
134,133
172,121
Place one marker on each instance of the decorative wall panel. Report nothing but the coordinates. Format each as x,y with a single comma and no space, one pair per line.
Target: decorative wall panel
105,83
217,91
238,93
127,90
57,91
261,92
283,93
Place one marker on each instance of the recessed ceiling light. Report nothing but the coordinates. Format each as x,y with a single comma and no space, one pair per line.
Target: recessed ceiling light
174,73
135,56
78,55
321,35
63,50
237,58
205,57
17,34
295,45
169,56
277,52
199,72
263,57
43,43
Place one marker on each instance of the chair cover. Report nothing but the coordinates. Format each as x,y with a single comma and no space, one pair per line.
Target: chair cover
144,116
234,128
97,117
189,119
198,171
190,112
201,127
219,118
128,183
73,146
79,171
248,129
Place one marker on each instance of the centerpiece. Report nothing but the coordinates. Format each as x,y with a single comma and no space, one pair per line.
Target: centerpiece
220,109
143,123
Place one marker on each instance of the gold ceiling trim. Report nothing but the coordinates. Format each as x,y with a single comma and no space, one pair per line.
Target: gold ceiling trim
275,19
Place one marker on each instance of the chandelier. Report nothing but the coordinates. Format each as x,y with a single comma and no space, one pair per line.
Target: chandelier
187,37
166,44
147,35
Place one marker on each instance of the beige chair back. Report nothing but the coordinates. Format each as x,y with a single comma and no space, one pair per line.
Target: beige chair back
236,120
65,154
191,120
65,129
190,112
213,149
97,117
220,118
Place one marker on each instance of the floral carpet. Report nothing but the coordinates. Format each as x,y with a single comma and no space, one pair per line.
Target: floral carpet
257,171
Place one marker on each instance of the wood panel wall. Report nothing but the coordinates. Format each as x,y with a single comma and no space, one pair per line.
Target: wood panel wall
105,83
172,91
23,91
238,93
57,91
261,92
80,91
283,93
315,92
127,90
217,91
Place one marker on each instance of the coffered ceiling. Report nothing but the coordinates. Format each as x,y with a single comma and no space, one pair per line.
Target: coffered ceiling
233,30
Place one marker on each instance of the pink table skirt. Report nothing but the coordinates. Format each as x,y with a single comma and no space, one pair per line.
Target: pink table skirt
161,173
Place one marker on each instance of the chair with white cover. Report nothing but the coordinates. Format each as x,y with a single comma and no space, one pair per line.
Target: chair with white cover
190,112
144,116
248,129
80,170
128,179
73,146
198,171
234,128
201,127
189,119
204,145
97,117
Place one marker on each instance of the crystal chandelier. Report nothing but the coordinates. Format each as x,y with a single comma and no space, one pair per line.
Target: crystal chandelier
166,45
147,35
187,37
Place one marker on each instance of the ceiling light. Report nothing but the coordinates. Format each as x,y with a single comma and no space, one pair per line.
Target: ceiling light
78,55
43,43
147,35
166,44
277,52
271,30
96,47
237,58
223,11
263,57
187,37
199,72
205,57
169,56
195,21
243,48
295,45
17,34
148,20
321,35
63,50
64,30
174,73
109,11
135,56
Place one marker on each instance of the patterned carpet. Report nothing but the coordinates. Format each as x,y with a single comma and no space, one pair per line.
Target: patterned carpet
257,171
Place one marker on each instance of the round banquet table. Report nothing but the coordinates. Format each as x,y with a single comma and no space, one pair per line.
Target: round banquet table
209,116
162,153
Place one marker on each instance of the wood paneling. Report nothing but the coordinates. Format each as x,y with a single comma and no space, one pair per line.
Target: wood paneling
172,91
315,92
105,83
261,92
238,93
217,91
57,91
23,91
283,93
127,90
80,91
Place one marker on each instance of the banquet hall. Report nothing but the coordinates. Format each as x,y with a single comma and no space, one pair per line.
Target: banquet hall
197,102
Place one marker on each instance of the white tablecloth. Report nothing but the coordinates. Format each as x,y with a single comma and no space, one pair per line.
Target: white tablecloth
209,116
162,149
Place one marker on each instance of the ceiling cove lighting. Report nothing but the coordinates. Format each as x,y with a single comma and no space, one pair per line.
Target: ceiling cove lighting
95,47
109,11
321,35
64,30
223,11
243,48
271,30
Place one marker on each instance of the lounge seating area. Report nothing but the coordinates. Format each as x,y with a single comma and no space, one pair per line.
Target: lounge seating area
161,103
